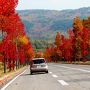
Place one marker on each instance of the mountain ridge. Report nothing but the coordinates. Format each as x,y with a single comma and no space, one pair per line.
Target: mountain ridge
43,24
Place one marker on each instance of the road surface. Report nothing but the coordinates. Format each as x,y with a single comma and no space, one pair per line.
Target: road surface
60,77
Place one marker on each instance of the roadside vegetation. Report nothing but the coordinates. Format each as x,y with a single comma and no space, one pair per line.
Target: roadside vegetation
15,47
40,45
73,48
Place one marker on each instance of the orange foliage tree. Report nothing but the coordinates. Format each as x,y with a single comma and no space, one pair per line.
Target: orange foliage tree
72,48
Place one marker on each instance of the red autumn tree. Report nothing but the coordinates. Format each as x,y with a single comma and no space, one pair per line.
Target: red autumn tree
12,29
75,46
86,24
7,7
49,53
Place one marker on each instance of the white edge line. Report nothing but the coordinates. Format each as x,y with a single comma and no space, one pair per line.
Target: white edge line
11,81
55,76
63,82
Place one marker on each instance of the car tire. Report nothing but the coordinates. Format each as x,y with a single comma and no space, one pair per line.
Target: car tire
31,72
46,71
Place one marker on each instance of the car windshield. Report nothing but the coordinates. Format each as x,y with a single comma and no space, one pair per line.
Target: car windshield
38,61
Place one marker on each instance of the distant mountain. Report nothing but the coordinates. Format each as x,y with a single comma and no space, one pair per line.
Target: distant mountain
43,24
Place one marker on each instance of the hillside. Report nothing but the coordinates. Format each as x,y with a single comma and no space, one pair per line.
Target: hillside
43,24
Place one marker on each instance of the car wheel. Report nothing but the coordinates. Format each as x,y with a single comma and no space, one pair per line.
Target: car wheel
46,71
31,72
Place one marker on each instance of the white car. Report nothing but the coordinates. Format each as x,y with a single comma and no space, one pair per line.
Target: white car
38,65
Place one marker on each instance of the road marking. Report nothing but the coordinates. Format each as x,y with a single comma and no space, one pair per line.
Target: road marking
84,70
55,76
75,69
50,72
11,81
63,82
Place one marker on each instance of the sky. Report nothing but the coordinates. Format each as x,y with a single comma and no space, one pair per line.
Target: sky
52,4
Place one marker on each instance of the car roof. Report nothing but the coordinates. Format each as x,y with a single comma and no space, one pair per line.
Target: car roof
38,58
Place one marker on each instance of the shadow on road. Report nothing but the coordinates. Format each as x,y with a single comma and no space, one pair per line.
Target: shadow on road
37,73
25,74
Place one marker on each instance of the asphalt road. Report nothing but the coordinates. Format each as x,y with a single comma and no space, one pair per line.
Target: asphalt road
60,77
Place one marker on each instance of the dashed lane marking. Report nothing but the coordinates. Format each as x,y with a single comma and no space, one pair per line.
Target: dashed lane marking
62,82
50,72
55,76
